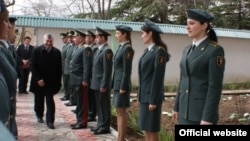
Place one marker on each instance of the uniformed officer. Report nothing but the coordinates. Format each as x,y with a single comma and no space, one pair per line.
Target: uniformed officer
64,37
90,42
101,81
202,70
80,72
11,41
8,65
121,82
5,134
68,56
152,65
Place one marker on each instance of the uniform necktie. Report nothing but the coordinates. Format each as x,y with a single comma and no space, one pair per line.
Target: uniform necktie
191,49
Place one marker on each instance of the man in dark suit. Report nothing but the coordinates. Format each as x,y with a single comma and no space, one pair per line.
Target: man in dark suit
24,54
90,42
46,68
80,72
101,81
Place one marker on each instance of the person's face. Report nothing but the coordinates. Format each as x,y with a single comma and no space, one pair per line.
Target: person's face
5,28
70,39
26,41
119,36
48,42
195,29
89,40
146,37
65,40
99,39
78,40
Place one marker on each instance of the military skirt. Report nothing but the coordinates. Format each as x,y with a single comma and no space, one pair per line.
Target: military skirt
121,100
149,120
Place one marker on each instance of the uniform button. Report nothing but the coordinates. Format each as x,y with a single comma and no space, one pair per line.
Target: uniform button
11,98
11,116
186,91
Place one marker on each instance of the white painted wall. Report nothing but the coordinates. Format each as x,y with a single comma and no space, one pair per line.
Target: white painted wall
237,54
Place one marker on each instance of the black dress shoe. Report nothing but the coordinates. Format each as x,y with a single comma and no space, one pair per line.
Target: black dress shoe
40,120
50,125
93,129
64,99
69,104
78,126
91,119
74,111
101,131
72,125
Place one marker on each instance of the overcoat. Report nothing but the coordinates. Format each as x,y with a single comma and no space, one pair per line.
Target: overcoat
47,66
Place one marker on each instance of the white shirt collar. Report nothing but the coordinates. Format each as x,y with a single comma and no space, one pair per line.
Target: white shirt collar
151,46
197,43
5,43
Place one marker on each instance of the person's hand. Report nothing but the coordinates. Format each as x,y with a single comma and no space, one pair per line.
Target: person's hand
205,123
85,84
151,107
175,117
41,83
122,91
103,90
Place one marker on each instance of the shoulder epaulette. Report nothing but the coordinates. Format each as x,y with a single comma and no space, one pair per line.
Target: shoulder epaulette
214,44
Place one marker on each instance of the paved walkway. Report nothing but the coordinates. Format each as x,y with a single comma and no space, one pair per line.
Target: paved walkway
30,130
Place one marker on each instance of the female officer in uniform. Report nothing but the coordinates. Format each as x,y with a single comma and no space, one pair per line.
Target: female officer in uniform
151,71
121,77
202,71
8,71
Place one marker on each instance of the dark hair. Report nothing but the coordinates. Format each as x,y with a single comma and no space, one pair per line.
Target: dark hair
211,33
27,37
157,40
128,37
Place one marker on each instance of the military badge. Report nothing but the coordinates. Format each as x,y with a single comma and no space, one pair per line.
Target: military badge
220,61
161,60
88,53
109,55
129,55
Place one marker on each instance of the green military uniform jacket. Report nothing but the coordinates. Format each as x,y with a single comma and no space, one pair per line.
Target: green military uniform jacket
102,68
151,71
64,51
10,75
68,57
80,66
201,82
122,68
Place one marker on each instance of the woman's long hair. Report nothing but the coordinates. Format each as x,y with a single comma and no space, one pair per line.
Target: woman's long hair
211,33
157,40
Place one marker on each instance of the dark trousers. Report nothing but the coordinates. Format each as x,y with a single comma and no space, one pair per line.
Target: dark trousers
81,105
50,106
23,79
103,109
66,85
91,104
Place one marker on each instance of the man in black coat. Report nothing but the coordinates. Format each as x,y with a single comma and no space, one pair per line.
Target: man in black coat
24,54
46,68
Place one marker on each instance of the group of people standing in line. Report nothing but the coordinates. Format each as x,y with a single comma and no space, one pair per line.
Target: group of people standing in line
90,70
